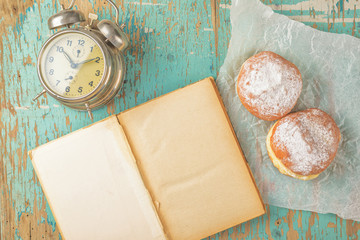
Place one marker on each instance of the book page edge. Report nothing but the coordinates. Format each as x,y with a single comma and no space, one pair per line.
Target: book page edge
238,144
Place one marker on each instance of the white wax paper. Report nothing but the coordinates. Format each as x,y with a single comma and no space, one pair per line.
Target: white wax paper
330,67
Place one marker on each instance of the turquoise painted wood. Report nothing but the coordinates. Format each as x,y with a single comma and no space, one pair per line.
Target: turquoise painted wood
173,43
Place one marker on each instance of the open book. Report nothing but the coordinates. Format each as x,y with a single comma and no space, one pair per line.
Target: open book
170,168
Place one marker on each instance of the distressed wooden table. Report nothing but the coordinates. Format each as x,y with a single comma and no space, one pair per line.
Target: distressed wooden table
173,44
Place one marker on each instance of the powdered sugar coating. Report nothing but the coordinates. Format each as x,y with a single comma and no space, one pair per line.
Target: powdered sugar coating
268,85
306,142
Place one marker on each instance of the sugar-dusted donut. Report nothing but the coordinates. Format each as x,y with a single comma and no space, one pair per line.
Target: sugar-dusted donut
268,85
303,144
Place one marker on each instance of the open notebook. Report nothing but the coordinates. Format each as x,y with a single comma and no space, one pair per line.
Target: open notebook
168,169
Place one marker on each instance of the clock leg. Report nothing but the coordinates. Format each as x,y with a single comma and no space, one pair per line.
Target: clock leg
89,111
37,96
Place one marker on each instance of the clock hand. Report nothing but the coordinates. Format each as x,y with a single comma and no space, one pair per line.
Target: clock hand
73,65
69,78
86,61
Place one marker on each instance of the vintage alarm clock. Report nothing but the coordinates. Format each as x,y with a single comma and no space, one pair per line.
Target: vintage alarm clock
82,67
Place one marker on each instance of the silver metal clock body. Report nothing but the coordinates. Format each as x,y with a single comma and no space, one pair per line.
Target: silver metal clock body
110,83
70,81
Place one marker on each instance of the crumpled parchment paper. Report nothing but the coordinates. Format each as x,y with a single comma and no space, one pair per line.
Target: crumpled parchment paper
330,67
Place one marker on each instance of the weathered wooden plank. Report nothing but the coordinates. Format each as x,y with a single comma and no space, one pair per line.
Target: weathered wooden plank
173,43
331,16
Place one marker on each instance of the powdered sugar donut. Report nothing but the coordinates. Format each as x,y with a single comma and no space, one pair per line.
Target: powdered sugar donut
303,144
268,85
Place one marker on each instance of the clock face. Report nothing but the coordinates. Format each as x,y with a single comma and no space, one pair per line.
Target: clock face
72,65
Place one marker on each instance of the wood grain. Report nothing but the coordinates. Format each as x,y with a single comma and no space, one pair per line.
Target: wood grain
173,43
